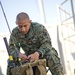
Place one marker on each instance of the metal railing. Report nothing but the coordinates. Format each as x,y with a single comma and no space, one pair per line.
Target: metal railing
67,31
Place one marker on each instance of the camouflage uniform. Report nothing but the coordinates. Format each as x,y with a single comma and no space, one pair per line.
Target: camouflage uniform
39,40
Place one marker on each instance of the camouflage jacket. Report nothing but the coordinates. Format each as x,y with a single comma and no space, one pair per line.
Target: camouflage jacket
37,39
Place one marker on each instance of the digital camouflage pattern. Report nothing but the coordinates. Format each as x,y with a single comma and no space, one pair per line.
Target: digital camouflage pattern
37,39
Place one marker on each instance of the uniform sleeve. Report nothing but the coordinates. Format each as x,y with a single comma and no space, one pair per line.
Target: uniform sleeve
45,41
13,40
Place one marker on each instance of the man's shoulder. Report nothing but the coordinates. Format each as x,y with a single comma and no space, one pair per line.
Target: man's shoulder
15,30
37,26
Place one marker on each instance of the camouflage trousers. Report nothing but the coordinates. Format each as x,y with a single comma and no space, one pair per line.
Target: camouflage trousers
52,62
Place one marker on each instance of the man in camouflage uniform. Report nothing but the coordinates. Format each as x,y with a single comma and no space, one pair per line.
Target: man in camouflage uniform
34,39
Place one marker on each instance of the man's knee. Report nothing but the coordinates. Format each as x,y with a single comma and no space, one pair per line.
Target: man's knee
53,62
52,58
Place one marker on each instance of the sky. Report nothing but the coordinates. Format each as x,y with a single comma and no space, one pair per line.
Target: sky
13,7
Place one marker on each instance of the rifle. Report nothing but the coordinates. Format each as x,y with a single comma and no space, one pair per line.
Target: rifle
13,62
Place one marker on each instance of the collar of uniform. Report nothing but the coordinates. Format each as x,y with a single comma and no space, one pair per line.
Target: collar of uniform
30,33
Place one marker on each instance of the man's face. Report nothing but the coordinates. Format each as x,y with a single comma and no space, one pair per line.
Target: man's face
24,26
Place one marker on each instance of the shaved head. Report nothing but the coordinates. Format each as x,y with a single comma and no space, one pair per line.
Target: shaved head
22,16
23,21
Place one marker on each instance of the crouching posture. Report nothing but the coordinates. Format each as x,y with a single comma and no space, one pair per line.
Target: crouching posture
35,41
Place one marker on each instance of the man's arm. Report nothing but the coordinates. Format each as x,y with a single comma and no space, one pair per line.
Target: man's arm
45,41
13,41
